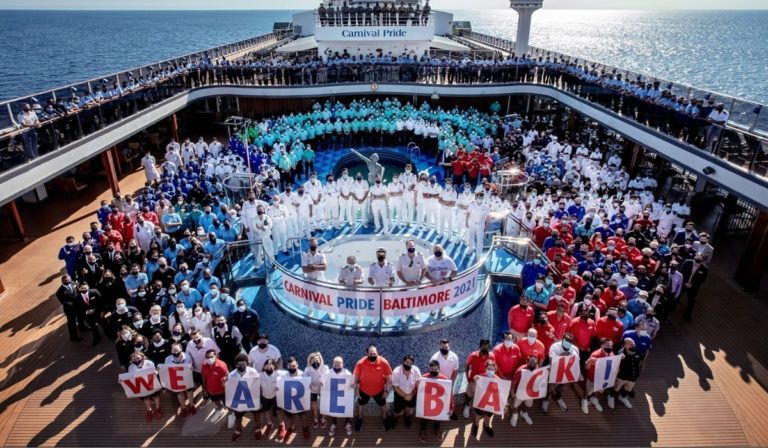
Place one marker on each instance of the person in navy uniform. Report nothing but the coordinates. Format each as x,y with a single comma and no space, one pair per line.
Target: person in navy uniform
67,296
247,321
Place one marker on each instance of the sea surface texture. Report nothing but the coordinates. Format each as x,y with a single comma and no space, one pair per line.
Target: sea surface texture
724,51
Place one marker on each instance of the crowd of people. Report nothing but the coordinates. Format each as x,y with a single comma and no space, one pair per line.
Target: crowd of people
339,13
617,262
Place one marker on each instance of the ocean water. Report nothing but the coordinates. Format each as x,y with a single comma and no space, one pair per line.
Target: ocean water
725,51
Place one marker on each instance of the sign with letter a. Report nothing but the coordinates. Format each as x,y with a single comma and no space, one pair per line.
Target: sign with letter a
337,396
533,384
176,377
243,393
433,399
293,393
564,369
605,372
139,383
491,394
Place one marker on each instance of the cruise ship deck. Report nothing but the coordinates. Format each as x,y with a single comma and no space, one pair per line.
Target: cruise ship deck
705,382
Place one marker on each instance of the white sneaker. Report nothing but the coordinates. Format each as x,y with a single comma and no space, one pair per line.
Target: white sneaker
442,312
610,401
417,317
348,429
513,419
526,417
596,404
387,321
332,317
545,406
332,430
584,406
403,319
563,406
346,320
432,314
465,413
625,402
231,420
310,313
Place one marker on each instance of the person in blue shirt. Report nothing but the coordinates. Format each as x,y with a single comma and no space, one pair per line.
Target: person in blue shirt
641,338
134,280
219,303
214,247
551,240
227,232
103,212
538,295
204,284
206,219
577,210
605,230
183,273
585,229
625,316
532,270
639,305
188,294
172,251
631,291
69,254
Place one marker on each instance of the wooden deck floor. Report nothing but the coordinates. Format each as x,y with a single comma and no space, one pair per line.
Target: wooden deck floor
705,383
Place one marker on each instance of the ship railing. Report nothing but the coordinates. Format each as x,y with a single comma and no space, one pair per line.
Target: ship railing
745,148
355,19
744,114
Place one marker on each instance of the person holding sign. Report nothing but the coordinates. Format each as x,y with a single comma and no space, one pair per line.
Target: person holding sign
475,366
433,373
152,402
373,377
478,425
316,370
449,364
185,397
629,372
288,423
268,386
334,375
564,348
606,349
404,379
242,370
517,381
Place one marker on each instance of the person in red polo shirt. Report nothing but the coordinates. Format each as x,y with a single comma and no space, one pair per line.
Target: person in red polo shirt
433,373
507,355
214,373
373,377
560,320
545,331
531,364
475,366
606,349
612,296
531,344
520,318
610,327
583,330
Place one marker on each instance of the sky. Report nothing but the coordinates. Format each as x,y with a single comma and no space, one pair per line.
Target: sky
438,4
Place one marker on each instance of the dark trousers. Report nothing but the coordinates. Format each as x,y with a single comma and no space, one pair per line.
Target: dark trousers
29,141
92,323
71,316
691,294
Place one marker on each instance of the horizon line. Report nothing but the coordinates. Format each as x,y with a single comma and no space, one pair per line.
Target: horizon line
447,9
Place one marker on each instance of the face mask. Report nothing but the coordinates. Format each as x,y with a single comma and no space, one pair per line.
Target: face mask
479,201
508,343
315,365
608,349
381,257
567,345
139,347
241,309
155,319
438,253
176,354
126,336
241,369
444,351
214,293
372,358
291,370
531,339
138,362
198,313
121,308
411,250
337,369
642,333
185,288
490,372
172,291
158,343
407,368
210,361
262,345
484,351
141,293
312,248
268,371
180,309
138,323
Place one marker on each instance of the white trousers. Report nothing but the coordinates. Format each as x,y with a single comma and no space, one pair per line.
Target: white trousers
379,210
279,235
445,223
476,238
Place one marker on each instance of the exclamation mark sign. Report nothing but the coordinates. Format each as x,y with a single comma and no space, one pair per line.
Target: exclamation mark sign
608,364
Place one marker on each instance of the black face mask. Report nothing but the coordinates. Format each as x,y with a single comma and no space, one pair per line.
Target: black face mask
411,250
312,248
444,351
268,371
608,349
241,369
433,374
484,351
291,370
438,253
407,368
381,257
262,345
372,358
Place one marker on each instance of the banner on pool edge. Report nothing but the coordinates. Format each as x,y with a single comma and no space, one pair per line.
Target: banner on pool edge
392,303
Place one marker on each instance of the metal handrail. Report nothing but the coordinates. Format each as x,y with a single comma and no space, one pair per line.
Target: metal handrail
355,19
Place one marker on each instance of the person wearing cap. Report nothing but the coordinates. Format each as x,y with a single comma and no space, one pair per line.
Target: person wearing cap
532,363
564,347
381,273
29,121
641,338
478,217
475,366
638,305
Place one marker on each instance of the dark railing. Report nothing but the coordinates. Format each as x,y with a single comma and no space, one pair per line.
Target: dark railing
348,19
744,148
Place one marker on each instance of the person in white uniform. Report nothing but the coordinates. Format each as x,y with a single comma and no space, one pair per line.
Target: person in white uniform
381,274
440,268
345,198
378,194
447,206
395,190
260,231
478,216
331,203
408,180
359,197
304,212
313,264
200,147
287,199
279,215
314,189
423,192
432,203
462,208
150,170
411,270
351,276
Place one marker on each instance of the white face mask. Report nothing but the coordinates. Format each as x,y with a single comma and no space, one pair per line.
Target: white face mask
508,343
531,339
210,361
154,319
241,309
126,336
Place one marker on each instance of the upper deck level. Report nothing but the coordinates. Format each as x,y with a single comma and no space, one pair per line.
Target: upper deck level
736,151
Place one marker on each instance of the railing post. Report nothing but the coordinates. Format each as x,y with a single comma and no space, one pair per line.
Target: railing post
381,309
